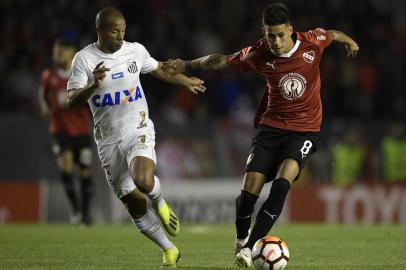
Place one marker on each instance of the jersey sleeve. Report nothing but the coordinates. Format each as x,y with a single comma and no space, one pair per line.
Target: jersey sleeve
320,37
248,58
241,59
148,63
78,77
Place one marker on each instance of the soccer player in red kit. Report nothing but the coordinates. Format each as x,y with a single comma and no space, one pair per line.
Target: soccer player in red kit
288,118
70,130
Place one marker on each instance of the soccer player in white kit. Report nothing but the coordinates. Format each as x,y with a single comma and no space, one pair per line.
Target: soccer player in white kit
106,74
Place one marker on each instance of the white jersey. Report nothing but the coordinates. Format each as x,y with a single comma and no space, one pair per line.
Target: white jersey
118,106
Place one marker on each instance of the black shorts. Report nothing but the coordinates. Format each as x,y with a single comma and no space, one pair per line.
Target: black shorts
79,145
271,146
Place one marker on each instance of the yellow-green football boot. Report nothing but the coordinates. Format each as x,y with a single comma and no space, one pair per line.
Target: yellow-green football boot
169,219
170,257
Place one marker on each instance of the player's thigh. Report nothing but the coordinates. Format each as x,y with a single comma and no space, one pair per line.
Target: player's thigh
116,170
260,168
288,169
142,171
141,158
261,164
263,155
293,155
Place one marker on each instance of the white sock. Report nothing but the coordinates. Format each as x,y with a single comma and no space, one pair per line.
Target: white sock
156,194
151,228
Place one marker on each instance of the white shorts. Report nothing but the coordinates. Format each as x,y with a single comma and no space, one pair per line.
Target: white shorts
116,159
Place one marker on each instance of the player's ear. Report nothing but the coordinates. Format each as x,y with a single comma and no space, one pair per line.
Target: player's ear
290,29
263,30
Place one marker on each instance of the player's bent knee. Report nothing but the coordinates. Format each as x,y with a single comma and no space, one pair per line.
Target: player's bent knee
144,182
253,182
142,173
143,179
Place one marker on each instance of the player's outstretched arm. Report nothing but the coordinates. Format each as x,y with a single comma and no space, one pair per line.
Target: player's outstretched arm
81,95
166,73
350,45
208,62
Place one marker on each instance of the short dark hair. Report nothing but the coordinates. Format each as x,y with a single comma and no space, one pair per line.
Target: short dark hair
275,14
65,42
104,14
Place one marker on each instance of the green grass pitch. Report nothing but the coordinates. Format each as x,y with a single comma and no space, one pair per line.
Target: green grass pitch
311,246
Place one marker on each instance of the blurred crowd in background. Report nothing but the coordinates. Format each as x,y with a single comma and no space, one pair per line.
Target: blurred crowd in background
209,135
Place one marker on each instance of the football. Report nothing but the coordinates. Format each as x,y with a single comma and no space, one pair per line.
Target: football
271,253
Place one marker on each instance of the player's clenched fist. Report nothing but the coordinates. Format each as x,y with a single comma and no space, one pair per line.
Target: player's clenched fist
99,73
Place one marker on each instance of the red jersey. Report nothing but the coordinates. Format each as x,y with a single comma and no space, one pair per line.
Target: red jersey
291,100
63,120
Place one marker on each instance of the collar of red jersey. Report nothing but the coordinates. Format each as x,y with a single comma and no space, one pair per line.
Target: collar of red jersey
292,51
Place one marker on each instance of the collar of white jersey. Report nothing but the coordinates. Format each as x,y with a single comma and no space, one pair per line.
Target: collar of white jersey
111,54
292,51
